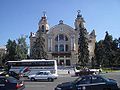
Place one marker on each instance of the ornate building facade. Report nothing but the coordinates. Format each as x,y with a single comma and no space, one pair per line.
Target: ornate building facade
61,40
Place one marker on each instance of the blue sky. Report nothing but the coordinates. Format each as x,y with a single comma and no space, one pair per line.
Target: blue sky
20,17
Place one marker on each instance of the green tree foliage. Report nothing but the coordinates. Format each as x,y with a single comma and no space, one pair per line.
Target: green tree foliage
39,47
108,42
107,51
16,51
116,49
11,50
118,57
1,58
83,52
99,53
22,48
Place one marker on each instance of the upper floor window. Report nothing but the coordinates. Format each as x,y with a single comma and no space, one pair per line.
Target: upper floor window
61,37
66,38
66,47
43,28
56,48
61,47
56,39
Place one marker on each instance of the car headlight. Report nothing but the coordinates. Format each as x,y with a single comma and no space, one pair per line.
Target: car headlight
58,88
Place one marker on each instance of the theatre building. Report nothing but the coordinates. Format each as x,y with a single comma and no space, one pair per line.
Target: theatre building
61,40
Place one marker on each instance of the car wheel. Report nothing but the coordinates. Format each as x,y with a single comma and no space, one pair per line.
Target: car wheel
50,79
32,79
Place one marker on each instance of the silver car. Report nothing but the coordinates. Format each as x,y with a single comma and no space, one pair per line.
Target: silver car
42,75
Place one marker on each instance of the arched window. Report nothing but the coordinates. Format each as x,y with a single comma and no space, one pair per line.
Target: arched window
56,39
43,28
61,47
56,48
61,37
66,38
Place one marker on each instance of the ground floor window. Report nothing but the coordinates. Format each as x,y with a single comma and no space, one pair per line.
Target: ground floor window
68,62
63,60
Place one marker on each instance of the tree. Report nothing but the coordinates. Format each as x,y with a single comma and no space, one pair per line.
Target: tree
99,53
16,51
39,47
83,52
22,48
109,52
105,51
1,58
116,50
118,57
11,50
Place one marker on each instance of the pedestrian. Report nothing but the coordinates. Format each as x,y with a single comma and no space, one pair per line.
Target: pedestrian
68,72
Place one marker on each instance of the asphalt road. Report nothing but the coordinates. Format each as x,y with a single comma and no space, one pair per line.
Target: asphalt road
113,75
42,85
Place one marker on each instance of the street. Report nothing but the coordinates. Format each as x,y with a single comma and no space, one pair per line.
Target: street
44,85
113,75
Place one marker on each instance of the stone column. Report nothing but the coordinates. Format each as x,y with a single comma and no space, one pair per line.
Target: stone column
58,43
51,44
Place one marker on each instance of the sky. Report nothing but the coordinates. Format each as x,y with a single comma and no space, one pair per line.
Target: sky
20,17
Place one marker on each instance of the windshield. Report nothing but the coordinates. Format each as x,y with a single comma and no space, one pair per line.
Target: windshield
105,78
11,79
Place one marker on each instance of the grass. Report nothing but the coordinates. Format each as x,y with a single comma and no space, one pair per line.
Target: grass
109,70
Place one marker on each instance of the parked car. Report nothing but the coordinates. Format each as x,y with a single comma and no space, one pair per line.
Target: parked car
10,73
42,75
1,68
84,72
10,83
89,82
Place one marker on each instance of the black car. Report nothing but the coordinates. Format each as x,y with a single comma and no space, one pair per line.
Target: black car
10,73
10,83
14,74
89,82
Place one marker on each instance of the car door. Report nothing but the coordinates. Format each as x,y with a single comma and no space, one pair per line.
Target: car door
84,84
2,84
46,75
39,75
97,83
11,83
